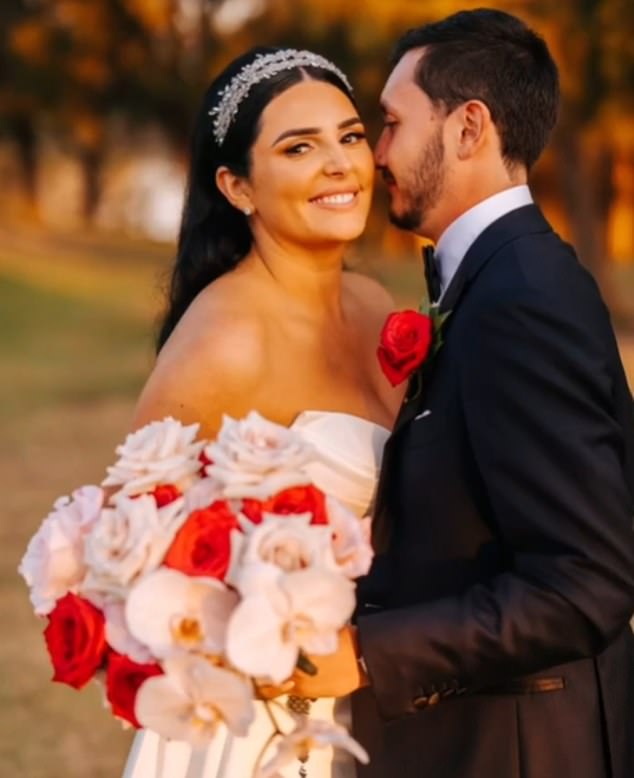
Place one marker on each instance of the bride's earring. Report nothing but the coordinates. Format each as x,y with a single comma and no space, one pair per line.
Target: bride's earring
247,211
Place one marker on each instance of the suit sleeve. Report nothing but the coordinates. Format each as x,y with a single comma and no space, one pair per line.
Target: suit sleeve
537,400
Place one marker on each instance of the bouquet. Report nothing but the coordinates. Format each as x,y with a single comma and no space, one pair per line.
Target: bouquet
199,570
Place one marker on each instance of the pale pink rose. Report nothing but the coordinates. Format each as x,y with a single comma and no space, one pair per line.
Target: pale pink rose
202,494
350,539
192,699
128,541
171,612
161,452
53,564
288,542
283,613
310,734
254,457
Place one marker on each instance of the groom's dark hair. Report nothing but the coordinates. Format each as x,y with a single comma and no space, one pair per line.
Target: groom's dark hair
494,57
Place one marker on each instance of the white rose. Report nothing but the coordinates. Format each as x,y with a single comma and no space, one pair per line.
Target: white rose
162,452
192,699
288,542
254,457
202,494
129,540
350,539
54,563
283,613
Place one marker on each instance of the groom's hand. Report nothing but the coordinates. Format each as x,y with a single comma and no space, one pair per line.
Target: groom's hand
338,674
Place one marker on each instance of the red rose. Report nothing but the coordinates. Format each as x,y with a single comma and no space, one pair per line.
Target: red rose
204,462
164,494
202,546
405,342
252,509
75,640
123,679
297,499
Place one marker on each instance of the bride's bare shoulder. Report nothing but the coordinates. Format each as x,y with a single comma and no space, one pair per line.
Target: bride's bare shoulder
212,363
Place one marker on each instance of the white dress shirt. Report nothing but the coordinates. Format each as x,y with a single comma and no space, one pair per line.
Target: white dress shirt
456,240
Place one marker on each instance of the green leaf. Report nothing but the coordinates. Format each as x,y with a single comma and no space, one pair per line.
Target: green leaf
305,665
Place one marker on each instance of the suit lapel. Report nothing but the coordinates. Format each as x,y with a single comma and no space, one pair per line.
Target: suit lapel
522,221
526,220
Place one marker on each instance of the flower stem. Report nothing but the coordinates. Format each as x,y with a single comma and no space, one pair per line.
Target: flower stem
265,747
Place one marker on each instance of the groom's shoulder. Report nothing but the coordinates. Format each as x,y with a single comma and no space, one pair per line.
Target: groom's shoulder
541,265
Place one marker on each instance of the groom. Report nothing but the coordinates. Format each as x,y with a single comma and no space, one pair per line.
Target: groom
494,624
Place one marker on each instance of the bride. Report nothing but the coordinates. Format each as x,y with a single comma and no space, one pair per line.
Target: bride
262,316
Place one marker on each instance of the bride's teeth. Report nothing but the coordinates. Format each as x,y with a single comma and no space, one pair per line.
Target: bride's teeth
338,199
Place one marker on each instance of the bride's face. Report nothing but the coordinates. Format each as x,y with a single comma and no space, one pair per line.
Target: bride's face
311,167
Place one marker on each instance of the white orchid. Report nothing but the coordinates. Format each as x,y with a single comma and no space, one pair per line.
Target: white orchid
350,539
54,562
309,734
128,540
256,458
192,699
169,612
283,613
162,452
119,637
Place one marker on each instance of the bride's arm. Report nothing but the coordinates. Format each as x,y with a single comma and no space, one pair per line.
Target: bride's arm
213,364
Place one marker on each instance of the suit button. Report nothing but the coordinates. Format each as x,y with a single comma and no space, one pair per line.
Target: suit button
434,699
420,702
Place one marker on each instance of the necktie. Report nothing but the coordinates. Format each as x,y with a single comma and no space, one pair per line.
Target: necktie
432,276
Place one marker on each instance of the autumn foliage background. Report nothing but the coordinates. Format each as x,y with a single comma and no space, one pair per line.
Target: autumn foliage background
96,103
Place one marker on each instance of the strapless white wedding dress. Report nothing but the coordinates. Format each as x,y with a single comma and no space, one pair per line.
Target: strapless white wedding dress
351,448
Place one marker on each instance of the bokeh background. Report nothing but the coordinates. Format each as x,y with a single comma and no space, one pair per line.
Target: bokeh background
96,102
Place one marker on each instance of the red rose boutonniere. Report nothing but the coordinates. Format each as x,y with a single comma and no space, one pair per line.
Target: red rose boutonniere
408,339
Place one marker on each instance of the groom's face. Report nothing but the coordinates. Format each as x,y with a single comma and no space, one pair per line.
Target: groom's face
410,151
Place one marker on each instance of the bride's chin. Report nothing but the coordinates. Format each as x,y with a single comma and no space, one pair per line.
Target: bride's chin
344,233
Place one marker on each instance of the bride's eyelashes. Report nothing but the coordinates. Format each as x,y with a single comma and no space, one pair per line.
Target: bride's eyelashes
354,137
350,138
297,149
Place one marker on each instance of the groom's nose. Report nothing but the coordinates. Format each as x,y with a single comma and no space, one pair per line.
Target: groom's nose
380,150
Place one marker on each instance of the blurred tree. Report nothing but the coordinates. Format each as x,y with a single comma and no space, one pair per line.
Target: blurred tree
70,66
592,42
22,90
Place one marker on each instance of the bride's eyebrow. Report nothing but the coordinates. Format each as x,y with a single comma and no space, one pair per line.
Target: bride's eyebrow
314,130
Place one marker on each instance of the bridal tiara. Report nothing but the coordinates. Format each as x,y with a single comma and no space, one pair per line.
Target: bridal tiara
263,66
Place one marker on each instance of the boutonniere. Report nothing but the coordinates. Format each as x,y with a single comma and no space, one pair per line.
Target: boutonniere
409,339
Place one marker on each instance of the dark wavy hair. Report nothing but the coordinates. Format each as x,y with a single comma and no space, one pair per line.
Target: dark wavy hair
494,57
214,236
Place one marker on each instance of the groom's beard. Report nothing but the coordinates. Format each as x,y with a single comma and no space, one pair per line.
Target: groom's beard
423,187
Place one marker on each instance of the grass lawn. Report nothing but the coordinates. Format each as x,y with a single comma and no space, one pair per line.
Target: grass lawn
76,322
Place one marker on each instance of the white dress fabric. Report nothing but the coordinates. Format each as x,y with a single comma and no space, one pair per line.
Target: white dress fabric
350,449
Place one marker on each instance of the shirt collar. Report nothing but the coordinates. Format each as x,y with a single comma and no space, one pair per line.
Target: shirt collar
456,240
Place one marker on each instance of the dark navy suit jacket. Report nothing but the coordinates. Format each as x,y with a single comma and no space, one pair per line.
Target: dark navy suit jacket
495,620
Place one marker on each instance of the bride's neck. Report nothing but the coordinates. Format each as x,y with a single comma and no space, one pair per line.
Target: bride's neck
307,276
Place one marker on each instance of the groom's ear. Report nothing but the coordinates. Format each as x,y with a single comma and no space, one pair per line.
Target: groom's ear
474,128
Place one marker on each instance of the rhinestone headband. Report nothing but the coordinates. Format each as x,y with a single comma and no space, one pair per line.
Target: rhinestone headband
263,66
